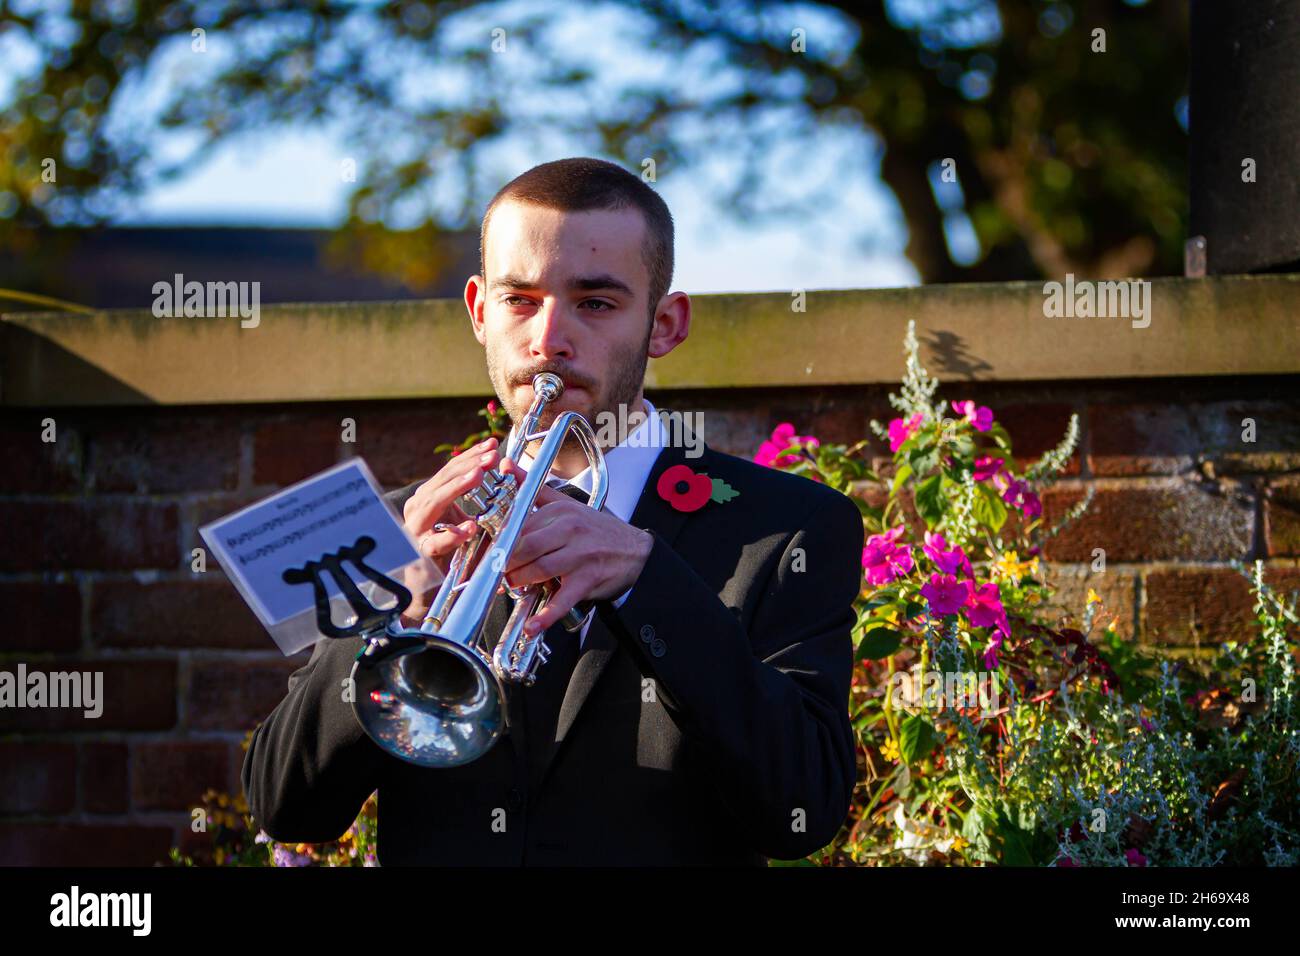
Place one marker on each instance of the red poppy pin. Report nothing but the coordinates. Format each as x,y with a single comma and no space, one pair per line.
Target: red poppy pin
687,491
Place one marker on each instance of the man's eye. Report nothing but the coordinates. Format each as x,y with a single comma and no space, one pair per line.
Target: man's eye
605,306
514,299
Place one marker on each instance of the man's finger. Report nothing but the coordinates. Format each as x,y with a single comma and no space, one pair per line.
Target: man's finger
561,602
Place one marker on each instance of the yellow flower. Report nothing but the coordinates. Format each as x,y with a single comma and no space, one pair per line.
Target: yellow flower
1092,597
1009,566
959,844
889,750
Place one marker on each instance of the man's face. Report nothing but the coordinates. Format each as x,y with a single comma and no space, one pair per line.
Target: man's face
566,293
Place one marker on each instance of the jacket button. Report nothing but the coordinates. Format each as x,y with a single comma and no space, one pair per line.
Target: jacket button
514,800
647,633
658,648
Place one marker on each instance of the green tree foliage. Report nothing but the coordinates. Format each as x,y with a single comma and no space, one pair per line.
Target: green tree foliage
1063,157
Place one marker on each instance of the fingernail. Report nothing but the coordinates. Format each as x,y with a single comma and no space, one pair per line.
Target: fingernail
486,458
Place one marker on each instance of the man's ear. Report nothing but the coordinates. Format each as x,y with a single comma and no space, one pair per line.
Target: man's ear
672,324
475,299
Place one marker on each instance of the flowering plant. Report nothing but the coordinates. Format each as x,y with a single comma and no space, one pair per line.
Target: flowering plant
992,731
234,840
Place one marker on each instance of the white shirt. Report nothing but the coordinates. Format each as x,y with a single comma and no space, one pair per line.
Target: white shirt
627,465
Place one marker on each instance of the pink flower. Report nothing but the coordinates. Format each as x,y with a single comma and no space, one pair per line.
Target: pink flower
1015,492
987,467
1135,858
885,560
900,431
781,446
945,594
1031,505
947,561
984,607
981,418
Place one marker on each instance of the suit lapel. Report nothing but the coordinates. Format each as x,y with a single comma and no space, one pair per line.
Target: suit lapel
651,513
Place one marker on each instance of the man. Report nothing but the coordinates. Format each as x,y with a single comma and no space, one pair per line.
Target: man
701,716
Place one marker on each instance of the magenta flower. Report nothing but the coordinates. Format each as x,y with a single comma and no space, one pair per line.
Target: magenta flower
781,446
945,594
984,607
981,418
884,560
949,561
1015,492
900,431
987,467
1031,505
1135,858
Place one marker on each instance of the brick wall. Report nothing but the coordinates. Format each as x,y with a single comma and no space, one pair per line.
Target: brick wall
95,568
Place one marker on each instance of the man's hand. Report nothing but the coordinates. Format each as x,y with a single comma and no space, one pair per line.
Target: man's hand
434,504
596,555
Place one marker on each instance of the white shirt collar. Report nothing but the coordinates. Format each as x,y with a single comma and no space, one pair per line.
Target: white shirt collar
627,464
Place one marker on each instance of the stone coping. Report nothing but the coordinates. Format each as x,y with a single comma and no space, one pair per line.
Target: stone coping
1225,325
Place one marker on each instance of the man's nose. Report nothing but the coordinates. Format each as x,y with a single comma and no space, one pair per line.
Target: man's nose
551,332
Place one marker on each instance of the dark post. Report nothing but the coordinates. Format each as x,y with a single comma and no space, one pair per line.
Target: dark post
1245,134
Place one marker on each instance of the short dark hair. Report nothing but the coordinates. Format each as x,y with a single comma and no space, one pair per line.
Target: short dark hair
581,184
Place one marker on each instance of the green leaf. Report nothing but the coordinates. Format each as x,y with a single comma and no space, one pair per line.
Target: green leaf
916,738
989,509
722,492
999,435
878,643
903,473
924,460
929,499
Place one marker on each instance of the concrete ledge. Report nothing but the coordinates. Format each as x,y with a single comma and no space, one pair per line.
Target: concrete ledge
1230,325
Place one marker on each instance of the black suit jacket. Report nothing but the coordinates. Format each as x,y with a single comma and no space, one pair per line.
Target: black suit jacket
706,721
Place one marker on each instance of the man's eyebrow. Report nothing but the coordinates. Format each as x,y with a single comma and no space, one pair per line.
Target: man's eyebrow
592,283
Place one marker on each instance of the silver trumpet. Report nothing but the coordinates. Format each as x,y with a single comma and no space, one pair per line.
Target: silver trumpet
433,696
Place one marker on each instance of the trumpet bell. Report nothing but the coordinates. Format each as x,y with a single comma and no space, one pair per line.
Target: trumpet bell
435,703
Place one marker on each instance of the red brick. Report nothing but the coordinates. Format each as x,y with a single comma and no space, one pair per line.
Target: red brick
1036,428
32,466
39,777
165,454
173,775
183,614
1204,605
137,695
92,535
104,775
286,452
1117,588
1277,436
398,442
1173,520
60,844
43,616
236,695
1282,516
1152,439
